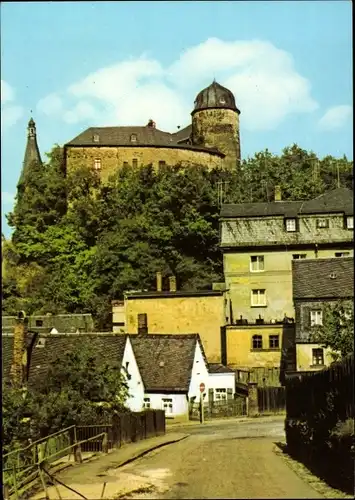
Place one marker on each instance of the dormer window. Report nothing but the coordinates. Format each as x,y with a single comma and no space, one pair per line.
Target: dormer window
322,223
133,138
291,225
222,100
96,138
350,222
97,164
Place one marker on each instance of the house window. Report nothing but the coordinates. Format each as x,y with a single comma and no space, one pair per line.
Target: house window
274,341
317,357
350,222
133,138
257,342
297,256
135,162
146,403
168,405
97,164
162,164
342,254
290,225
256,263
316,318
39,322
322,223
258,298
220,394
96,138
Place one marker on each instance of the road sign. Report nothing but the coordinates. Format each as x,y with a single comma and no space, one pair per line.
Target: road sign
202,387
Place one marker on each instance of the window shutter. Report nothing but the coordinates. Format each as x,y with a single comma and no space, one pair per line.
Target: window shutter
229,393
210,395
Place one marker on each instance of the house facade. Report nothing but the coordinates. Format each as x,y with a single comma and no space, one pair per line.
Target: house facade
259,242
317,283
174,312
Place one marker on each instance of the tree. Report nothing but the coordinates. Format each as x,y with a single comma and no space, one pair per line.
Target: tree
337,331
79,388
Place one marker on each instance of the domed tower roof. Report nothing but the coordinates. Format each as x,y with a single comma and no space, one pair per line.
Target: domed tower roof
215,96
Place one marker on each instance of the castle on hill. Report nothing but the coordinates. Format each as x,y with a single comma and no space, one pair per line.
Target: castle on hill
212,140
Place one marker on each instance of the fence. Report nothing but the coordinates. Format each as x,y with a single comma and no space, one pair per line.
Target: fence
125,428
316,403
22,467
271,399
219,409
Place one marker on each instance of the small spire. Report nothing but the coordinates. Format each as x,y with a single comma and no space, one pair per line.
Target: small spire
32,151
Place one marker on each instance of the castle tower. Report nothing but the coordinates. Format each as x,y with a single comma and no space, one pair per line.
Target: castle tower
32,153
215,122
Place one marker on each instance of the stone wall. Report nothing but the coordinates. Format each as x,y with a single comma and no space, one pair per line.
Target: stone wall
218,128
113,158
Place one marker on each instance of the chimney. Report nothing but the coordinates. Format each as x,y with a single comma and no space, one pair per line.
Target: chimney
159,281
142,324
277,193
172,284
151,124
19,361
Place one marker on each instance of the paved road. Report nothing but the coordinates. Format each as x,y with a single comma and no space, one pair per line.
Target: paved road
224,460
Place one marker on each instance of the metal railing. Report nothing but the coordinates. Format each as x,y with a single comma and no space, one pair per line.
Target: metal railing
21,467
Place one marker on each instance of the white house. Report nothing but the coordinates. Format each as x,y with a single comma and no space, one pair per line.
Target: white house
221,382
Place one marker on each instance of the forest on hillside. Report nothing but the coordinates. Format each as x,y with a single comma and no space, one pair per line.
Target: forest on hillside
77,244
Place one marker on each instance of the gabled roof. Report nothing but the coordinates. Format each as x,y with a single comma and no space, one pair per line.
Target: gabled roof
165,361
144,136
219,368
339,200
63,323
108,346
323,278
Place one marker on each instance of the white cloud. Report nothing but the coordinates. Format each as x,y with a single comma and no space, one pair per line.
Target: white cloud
7,92
336,117
10,115
10,112
50,105
7,198
262,77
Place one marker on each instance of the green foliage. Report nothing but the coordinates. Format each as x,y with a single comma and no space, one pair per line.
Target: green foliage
78,244
337,331
78,388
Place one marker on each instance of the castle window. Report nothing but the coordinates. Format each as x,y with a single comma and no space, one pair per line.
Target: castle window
274,341
133,138
257,342
322,223
97,164
96,138
258,298
297,256
39,322
317,357
162,163
290,225
256,263
135,162
350,222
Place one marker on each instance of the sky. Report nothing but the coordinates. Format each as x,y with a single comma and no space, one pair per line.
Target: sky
72,65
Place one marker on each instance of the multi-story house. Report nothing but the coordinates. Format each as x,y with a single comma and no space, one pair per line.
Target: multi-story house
318,282
259,242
